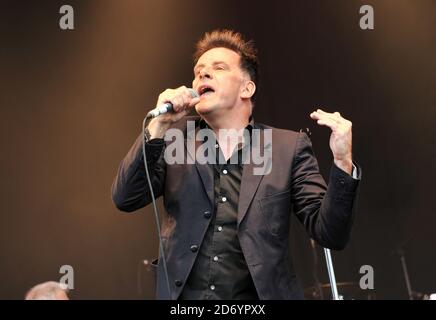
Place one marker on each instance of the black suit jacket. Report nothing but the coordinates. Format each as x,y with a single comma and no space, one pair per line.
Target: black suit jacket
265,203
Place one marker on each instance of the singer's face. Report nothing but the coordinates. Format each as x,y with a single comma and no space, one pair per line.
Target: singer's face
218,79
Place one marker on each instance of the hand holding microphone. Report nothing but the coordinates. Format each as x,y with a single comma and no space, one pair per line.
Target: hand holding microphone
175,100
172,105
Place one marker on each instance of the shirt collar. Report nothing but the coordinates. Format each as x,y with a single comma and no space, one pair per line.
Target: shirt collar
203,124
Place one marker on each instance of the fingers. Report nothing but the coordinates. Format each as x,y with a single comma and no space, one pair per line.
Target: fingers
181,98
327,122
320,114
333,120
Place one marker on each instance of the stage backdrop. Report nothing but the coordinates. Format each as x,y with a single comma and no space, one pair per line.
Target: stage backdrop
72,103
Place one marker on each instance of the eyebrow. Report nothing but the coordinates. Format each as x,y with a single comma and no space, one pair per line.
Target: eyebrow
214,64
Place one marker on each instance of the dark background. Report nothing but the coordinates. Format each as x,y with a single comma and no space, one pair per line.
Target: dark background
72,103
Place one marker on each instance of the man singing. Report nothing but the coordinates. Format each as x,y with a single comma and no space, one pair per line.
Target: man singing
225,228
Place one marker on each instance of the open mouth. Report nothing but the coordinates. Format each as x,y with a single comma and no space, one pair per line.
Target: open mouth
205,90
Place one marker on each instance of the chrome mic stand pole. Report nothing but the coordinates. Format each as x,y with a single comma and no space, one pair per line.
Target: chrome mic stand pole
331,272
406,274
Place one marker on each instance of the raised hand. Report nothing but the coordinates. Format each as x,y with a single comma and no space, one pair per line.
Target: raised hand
340,138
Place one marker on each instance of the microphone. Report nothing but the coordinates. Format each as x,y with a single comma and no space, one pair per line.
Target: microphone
167,107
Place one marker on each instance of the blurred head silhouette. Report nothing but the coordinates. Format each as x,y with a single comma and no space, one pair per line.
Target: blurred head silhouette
48,291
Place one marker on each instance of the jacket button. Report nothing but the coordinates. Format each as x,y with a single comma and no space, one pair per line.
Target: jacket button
194,248
178,283
207,214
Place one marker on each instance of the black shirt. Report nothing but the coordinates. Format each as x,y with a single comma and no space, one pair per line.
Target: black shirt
220,270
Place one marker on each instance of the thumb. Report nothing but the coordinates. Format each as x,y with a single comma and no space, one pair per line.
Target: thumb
194,101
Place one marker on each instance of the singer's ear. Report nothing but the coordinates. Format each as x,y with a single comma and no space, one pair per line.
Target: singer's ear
248,89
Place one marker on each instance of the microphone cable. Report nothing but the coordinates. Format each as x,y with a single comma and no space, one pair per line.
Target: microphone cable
156,213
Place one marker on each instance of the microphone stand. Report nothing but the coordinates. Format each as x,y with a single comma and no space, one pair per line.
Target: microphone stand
331,272
400,252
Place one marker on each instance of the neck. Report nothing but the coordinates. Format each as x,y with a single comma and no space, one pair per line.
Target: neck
218,124
228,120
228,133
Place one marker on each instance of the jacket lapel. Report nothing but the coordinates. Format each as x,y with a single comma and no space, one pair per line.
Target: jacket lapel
250,182
205,170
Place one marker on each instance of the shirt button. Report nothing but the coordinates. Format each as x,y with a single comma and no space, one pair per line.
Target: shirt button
220,228
194,248
207,214
223,199
225,171
212,287
178,283
217,146
215,258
